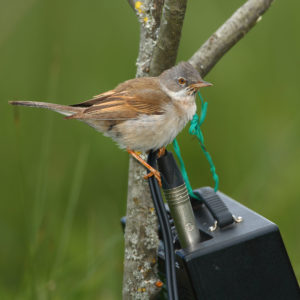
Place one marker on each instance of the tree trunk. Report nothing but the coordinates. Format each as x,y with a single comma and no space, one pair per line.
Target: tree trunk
160,30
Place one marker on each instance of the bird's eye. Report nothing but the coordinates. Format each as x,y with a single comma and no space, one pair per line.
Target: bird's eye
181,81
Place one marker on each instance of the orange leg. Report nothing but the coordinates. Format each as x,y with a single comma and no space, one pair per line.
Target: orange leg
161,152
153,172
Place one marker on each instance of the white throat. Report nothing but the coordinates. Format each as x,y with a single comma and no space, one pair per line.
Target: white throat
181,95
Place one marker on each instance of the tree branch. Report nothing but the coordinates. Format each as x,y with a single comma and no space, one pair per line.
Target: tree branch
141,232
141,238
228,35
149,15
165,53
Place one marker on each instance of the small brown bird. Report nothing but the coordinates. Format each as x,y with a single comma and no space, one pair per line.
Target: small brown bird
142,113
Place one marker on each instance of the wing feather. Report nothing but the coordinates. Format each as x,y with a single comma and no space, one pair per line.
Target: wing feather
127,101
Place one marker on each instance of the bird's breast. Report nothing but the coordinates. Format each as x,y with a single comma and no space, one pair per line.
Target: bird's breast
156,131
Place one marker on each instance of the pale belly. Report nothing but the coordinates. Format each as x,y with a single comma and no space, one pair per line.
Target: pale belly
153,131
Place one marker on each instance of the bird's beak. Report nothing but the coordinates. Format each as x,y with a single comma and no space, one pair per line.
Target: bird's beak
200,84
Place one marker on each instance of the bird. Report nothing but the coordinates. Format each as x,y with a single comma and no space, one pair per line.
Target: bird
140,114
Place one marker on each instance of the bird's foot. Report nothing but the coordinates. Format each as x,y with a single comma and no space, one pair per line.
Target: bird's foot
153,172
156,174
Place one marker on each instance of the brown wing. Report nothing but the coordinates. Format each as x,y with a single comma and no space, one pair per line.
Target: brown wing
95,100
127,101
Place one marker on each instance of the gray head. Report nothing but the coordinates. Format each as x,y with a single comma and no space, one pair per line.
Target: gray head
182,77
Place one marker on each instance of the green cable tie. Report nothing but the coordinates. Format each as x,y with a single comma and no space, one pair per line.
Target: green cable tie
196,130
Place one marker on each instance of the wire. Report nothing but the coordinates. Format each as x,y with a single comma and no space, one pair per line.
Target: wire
163,220
195,129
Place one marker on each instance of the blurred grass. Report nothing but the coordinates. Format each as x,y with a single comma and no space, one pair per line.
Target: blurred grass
63,185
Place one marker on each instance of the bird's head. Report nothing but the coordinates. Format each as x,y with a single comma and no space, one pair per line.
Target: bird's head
182,80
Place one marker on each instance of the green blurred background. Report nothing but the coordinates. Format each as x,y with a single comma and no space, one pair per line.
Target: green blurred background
63,185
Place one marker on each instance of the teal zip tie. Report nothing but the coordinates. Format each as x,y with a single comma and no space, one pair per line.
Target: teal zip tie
196,130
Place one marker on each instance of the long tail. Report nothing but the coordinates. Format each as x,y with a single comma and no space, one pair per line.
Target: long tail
62,109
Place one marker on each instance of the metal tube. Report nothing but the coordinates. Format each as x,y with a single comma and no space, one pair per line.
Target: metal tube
182,213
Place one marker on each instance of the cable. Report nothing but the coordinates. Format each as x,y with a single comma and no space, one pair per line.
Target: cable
166,232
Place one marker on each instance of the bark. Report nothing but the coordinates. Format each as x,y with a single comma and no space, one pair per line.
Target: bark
149,14
141,238
141,233
140,279
228,35
165,53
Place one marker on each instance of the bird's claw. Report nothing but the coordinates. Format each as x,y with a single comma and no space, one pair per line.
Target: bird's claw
156,174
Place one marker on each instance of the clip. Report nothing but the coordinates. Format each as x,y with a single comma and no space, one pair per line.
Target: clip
214,227
238,219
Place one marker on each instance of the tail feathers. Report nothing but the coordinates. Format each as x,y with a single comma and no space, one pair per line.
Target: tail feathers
62,109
